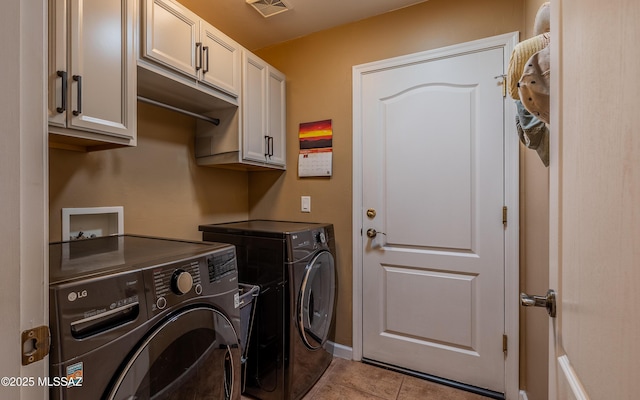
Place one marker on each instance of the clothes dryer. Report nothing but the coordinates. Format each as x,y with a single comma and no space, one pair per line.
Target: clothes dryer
294,265
136,317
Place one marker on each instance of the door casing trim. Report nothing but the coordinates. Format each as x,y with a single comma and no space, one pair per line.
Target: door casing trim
511,142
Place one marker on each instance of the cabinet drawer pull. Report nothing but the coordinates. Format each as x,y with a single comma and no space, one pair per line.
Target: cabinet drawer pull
63,105
78,79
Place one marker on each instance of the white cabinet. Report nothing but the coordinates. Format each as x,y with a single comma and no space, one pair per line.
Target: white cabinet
263,112
255,136
92,75
178,39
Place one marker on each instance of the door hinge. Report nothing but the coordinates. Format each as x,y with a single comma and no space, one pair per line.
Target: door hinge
35,344
504,344
504,215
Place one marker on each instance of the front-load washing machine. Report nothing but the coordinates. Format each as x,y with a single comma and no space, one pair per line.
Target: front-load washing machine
294,265
136,317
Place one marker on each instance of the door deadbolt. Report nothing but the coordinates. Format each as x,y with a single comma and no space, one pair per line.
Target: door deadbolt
548,301
371,213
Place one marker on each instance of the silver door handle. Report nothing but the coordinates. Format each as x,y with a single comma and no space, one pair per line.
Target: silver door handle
548,301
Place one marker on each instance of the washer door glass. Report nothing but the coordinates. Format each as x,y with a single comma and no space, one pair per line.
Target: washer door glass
316,298
191,355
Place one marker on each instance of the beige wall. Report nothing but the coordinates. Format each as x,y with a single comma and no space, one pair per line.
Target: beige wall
163,191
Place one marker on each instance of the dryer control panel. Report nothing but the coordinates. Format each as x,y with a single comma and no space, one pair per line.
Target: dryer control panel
309,239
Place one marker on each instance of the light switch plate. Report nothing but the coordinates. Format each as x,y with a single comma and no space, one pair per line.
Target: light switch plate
305,203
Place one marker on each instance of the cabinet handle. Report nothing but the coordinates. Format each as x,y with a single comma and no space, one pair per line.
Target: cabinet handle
198,55
63,106
270,146
206,59
78,79
266,146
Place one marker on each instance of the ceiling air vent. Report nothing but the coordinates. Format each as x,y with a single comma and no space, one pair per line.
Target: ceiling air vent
268,8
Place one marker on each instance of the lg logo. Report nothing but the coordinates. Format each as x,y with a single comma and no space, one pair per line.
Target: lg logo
76,295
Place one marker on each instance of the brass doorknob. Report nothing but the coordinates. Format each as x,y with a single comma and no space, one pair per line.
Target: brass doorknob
371,233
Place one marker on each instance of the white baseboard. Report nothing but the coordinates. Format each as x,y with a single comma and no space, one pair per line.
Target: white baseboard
339,350
523,395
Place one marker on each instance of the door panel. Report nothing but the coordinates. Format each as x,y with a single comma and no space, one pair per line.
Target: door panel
594,198
420,292
57,40
433,277
221,60
171,32
437,136
276,115
254,108
102,55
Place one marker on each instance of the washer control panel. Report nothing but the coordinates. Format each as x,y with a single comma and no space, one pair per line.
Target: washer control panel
174,283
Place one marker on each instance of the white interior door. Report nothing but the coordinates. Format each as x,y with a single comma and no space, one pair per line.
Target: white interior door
433,277
595,198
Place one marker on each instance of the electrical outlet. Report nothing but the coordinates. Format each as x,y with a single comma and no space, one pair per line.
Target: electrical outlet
305,204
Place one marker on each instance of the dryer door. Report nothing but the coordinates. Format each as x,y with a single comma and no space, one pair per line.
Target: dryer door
194,354
316,299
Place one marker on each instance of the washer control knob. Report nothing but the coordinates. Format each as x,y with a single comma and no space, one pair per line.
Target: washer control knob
181,281
161,303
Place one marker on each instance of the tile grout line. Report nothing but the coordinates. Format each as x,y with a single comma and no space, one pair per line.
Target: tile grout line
400,387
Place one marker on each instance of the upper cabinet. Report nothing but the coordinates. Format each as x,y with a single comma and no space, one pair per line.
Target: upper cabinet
178,39
263,111
92,74
255,139
104,55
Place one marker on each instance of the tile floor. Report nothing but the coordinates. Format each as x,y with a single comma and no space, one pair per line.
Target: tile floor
350,380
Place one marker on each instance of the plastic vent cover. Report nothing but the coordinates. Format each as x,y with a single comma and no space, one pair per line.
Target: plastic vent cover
268,8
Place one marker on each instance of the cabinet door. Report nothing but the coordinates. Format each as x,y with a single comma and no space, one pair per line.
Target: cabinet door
276,117
254,123
171,33
102,75
220,60
57,99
